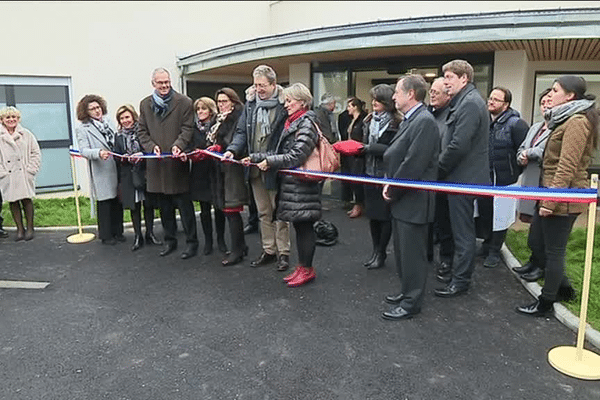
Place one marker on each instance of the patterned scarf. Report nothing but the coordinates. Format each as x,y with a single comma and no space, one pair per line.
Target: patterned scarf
212,135
559,114
160,104
379,123
132,144
105,129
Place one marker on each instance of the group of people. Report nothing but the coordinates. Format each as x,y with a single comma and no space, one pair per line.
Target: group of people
457,138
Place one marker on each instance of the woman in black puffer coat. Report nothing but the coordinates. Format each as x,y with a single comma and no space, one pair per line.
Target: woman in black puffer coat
298,200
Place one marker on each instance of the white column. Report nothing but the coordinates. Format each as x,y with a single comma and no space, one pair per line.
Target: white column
300,73
511,72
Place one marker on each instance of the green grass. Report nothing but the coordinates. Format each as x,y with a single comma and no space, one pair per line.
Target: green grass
575,261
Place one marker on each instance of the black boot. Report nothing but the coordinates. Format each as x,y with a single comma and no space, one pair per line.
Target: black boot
539,308
379,261
533,275
136,221
375,229
566,293
220,228
238,243
372,259
206,221
528,267
149,221
138,243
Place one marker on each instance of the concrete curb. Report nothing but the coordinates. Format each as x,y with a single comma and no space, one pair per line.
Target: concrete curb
561,313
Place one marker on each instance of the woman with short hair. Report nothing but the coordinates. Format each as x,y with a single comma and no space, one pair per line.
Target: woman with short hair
132,177
573,123
96,138
298,199
20,160
202,174
380,127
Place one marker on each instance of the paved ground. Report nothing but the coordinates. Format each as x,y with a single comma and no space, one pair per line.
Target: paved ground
120,325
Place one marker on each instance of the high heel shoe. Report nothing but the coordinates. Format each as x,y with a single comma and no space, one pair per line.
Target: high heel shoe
232,260
371,260
151,239
138,242
208,247
379,261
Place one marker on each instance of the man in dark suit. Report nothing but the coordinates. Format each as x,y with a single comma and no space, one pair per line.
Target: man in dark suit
463,159
413,154
166,122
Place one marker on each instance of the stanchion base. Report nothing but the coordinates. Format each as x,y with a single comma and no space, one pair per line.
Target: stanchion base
81,238
564,359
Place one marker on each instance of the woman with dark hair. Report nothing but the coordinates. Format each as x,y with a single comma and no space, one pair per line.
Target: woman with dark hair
380,127
356,164
132,177
96,139
202,175
298,199
229,190
573,124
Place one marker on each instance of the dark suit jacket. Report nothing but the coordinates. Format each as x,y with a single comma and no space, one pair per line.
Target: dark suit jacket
413,154
464,156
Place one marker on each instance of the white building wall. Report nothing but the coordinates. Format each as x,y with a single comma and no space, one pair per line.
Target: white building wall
510,71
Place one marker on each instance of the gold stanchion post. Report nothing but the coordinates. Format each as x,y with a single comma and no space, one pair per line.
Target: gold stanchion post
577,361
80,237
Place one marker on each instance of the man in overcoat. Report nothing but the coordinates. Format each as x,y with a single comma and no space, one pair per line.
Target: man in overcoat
165,125
413,155
463,159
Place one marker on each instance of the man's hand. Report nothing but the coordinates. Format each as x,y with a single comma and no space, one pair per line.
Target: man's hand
135,157
544,212
386,193
157,150
228,155
246,161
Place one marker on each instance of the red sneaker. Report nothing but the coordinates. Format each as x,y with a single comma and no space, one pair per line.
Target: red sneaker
306,275
294,274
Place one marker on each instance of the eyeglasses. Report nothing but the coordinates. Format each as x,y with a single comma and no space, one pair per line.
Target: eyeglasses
94,108
162,82
495,100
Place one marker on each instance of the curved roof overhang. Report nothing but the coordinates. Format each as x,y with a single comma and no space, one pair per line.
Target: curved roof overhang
563,34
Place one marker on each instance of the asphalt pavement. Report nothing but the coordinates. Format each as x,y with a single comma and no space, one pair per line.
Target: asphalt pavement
116,324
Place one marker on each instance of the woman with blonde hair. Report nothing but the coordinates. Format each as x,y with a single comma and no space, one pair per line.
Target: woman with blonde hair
20,159
202,176
299,200
132,177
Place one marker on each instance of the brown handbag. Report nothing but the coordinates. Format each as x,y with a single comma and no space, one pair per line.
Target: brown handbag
324,158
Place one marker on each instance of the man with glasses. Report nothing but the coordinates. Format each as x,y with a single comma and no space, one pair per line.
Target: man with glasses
258,131
507,132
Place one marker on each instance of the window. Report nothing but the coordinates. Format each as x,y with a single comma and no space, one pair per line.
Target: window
45,107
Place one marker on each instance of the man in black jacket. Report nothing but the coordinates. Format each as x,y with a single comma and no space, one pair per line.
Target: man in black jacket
507,132
258,131
463,159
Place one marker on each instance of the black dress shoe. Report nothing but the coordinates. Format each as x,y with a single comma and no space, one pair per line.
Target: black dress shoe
370,260
3,234
190,252
444,278
168,249
151,239
566,293
120,238
222,246
250,228
451,291
540,308
533,275
264,259
397,314
524,269
444,268
379,261
109,242
138,242
208,247
394,298
283,263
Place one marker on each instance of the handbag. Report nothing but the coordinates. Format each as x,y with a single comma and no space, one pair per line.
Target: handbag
324,158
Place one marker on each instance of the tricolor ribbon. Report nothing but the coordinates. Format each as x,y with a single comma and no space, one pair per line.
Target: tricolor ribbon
570,195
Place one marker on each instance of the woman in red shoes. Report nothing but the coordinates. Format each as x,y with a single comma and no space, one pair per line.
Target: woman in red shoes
299,200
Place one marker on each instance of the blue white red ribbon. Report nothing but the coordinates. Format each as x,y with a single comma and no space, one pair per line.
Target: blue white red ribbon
570,195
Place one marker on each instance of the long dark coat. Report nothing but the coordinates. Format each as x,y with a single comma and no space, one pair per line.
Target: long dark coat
203,171
230,189
297,199
127,171
168,176
355,165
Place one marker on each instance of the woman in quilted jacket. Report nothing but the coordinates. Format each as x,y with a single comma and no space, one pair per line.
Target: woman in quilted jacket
573,124
299,200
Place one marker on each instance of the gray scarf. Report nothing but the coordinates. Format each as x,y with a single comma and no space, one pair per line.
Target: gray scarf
261,116
559,114
379,123
105,129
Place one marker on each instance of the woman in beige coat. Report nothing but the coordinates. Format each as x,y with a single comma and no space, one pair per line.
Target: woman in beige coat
20,160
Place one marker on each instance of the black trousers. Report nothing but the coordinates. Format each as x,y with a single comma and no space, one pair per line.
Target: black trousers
410,252
306,241
548,241
443,229
463,231
182,202
110,218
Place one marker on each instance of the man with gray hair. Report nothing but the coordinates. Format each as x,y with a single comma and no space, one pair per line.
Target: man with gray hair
166,123
258,131
325,118
463,159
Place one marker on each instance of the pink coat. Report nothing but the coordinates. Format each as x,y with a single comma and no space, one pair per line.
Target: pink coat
20,160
